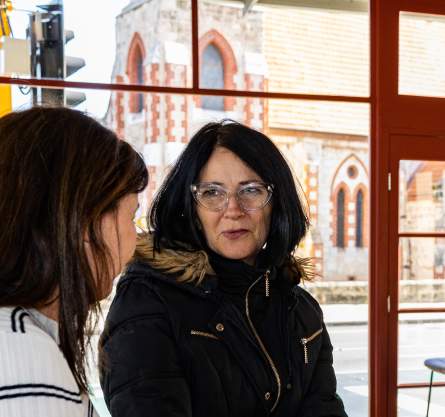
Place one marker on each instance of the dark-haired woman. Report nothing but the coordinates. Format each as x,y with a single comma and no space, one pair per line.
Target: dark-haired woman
209,319
68,195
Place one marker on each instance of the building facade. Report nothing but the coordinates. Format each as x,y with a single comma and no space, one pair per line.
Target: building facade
275,49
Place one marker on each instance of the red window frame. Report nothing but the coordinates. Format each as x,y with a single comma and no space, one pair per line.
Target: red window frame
388,111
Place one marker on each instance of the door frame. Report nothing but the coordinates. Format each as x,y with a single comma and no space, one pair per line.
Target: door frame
404,147
392,116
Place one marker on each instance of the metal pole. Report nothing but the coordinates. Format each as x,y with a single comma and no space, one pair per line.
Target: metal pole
46,32
429,394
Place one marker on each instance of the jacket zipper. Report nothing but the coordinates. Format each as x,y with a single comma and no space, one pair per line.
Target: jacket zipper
266,283
305,341
260,342
204,334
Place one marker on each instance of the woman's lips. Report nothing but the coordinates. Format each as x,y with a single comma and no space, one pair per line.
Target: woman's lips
234,234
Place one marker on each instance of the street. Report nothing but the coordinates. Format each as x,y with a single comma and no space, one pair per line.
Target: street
418,341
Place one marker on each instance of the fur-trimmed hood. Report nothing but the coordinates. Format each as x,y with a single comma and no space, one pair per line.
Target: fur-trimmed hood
194,265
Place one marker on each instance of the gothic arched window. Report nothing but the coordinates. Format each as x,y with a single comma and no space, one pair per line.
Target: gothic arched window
359,220
139,66
212,76
341,219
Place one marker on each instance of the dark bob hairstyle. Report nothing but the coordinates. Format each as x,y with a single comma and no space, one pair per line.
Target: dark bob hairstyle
60,173
172,216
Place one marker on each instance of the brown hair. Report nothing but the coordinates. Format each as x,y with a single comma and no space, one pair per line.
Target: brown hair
60,172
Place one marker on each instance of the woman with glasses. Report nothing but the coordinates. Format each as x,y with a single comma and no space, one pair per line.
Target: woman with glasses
209,319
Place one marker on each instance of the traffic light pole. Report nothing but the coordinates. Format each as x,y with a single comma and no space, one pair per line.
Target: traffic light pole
47,38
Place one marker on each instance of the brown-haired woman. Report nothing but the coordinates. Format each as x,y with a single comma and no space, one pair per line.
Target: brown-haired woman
68,196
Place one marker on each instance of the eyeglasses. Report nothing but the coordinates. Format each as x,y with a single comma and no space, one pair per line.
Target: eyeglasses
250,197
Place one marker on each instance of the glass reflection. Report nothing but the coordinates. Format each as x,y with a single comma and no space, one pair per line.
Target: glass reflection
422,54
421,197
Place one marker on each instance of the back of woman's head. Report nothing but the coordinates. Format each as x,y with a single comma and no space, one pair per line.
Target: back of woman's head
173,215
60,172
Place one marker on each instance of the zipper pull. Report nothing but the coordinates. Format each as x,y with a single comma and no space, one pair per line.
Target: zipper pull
267,283
304,343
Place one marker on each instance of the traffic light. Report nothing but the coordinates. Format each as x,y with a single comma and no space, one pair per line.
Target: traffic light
72,65
48,60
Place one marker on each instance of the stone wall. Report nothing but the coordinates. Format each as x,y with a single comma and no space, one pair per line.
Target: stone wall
356,292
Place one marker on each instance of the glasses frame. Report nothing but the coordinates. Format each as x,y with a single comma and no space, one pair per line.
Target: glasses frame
269,188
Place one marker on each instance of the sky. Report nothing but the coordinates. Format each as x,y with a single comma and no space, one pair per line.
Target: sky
93,23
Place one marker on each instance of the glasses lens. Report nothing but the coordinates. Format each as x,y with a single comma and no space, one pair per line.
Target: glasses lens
211,196
253,196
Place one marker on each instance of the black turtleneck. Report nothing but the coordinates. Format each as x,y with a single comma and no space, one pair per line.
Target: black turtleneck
235,277
269,314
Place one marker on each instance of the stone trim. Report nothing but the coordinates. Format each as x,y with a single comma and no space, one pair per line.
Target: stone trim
119,114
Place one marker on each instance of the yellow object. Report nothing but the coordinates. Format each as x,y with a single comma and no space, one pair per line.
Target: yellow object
5,7
141,224
5,99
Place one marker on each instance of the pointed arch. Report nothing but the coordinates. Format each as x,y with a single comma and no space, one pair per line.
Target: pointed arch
361,203
340,221
212,76
136,71
359,212
352,176
351,158
340,213
222,46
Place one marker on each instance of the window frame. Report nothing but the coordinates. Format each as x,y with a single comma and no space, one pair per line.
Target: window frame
388,111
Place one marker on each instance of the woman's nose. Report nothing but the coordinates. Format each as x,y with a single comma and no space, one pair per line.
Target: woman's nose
233,208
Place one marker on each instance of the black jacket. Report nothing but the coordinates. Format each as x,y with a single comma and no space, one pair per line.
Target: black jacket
177,349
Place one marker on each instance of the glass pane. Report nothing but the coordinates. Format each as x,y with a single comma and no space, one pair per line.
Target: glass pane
139,42
421,272
290,49
421,196
421,336
422,54
325,156
413,402
326,145
350,340
309,141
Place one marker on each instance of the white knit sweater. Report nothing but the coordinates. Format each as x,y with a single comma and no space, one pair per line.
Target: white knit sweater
35,379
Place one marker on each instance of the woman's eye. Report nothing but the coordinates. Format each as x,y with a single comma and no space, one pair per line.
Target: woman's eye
212,192
252,190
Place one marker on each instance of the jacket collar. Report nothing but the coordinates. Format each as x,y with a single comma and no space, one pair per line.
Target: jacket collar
189,265
140,268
